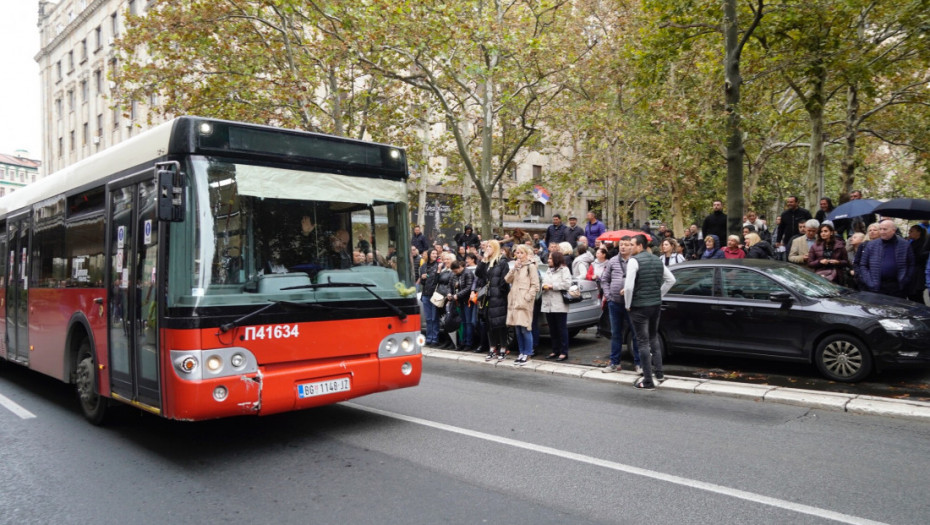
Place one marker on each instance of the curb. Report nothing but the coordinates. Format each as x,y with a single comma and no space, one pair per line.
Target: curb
851,403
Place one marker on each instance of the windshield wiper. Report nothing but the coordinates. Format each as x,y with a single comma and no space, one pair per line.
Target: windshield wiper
225,327
367,286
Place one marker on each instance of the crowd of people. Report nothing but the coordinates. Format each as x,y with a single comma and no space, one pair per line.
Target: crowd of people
497,291
489,296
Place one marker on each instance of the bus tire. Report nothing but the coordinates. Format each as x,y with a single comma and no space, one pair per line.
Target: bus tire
93,405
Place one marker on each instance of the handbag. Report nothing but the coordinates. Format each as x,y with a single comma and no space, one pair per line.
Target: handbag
450,320
572,295
482,295
438,299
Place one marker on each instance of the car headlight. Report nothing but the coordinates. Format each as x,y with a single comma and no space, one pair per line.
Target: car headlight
897,325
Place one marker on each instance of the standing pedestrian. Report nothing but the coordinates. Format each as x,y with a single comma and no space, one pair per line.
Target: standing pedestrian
493,270
556,232
887,264
556,279
524,285
419,241
573,232
429,271
593,228
613,280
791,219
647,280
715,223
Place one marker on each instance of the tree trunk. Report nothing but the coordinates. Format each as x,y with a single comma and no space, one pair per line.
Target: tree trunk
813,184
424,171
848,163
732,86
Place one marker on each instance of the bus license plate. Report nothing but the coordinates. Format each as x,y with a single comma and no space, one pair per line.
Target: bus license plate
321,388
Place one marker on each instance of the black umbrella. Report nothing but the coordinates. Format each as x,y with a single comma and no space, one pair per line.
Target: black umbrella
853,208
913,209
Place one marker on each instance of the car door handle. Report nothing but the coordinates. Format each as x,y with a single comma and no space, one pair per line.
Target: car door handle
729,311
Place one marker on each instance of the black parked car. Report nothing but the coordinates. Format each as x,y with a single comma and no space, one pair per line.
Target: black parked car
775,310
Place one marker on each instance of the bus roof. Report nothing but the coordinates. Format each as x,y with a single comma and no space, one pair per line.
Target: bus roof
238,139
144,147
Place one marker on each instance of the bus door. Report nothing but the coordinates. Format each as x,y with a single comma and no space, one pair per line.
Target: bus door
132,246
17,290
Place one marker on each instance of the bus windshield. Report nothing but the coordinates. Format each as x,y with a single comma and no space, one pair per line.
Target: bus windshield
259,234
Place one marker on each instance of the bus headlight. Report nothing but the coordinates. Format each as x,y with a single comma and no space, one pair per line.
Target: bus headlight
403,343
406,368
237,360
214,363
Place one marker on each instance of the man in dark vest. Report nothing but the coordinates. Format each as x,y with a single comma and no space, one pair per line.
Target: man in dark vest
647,280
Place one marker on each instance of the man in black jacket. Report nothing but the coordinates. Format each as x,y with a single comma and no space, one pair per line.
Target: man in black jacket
418,241
557,232
790,219
467,238
716,222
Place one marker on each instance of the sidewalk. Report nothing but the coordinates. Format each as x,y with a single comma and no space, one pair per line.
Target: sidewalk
586,364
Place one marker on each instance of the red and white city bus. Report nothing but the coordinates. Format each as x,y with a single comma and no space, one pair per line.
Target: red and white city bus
208,268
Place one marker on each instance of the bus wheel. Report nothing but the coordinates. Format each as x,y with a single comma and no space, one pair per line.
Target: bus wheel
93,405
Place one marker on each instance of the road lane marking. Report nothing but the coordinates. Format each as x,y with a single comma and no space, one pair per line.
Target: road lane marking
14,408
629,469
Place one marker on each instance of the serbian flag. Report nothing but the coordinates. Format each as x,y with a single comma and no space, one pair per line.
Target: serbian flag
541,194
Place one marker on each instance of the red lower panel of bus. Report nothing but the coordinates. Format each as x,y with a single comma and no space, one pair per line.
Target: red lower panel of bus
311,365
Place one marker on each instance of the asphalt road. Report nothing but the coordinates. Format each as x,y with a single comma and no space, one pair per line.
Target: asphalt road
470,445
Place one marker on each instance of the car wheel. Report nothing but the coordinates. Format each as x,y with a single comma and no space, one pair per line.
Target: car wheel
843,358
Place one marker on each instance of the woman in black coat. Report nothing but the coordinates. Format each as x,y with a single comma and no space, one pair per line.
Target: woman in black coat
756,248
492,270
429,272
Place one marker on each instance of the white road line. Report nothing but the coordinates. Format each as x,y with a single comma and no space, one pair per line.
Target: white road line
669,478
14,408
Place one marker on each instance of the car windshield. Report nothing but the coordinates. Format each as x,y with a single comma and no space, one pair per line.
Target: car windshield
247,245
805,282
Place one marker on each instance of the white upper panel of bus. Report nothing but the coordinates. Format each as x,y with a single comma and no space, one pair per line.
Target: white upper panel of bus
146,146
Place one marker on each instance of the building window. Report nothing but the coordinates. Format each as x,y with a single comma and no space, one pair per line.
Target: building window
2,173
71,143
58,71
114,24
70,61
33,177
99,125
537,172
132,7
2,191
116,117
98,81
84,90
538,209
85,133
71,100
58,107
98,38
83,50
